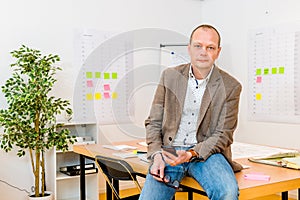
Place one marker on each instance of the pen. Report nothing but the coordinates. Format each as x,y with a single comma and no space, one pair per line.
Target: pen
139,152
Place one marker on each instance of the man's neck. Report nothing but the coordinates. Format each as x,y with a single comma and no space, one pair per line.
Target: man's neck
200,74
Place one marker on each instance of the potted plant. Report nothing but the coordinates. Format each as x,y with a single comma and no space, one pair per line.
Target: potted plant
29,122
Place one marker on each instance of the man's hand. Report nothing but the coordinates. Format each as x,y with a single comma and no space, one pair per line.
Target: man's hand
157,168
183,156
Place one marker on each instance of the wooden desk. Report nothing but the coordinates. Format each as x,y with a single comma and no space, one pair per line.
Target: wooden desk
282,179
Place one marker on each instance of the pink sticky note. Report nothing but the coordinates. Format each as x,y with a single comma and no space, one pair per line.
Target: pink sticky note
89,83
257,177
106,95
106,87
258,79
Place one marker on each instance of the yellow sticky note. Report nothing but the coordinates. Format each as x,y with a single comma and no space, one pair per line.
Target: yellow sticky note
258,96
89,96
97,96
114,95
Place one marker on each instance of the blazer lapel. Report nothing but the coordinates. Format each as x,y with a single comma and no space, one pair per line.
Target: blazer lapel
181,85
209,93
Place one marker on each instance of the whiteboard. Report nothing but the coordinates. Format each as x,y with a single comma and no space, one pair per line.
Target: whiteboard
173,55
104,80
273,71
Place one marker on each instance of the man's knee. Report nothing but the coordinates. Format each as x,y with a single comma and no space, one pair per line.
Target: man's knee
224,193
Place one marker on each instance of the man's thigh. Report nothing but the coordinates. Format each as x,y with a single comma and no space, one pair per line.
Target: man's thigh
215,175
156,190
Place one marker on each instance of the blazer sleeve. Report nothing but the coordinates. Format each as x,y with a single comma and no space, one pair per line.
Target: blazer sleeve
219,124
154,121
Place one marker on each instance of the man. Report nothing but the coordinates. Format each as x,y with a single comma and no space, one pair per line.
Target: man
195,110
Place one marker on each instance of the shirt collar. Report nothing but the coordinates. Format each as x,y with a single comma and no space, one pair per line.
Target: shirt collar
191,74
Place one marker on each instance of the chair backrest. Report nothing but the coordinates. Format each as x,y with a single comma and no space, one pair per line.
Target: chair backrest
115,168
118,170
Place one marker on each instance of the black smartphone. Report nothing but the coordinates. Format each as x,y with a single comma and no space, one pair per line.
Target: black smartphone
169,149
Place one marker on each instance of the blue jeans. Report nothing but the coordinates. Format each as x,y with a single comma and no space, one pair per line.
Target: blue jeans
215,176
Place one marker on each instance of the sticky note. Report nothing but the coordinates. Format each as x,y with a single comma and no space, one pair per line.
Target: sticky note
258,96
89,96
106,87
258,71
106,95
274,70
106,75
114,75
89,75
114,95
266,71
258,177
89,83
258,79
281,70
97,96
97,75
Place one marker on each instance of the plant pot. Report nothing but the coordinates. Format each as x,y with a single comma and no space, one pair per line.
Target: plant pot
48,196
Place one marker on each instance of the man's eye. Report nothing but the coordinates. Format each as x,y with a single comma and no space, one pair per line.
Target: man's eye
197,46
211,48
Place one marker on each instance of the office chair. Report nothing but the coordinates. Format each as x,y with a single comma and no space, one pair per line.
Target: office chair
115,170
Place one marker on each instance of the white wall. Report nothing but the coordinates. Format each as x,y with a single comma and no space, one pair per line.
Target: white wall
235,18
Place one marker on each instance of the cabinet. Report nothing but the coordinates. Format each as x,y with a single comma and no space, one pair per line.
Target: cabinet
68,187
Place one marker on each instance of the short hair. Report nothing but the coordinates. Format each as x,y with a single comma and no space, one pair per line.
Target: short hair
209,27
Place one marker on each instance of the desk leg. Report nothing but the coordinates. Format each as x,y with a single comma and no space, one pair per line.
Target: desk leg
108,192
284,196
82,177
190,195
116,186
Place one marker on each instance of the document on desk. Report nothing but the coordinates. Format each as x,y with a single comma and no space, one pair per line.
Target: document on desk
125,155
246,150
119,147
288,159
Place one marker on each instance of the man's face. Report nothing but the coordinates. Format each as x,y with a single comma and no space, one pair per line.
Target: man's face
204,49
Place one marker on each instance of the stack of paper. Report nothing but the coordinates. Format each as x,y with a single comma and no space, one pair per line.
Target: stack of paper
292,162
285,158
119,147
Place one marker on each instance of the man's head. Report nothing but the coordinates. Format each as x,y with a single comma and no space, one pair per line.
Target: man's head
204,48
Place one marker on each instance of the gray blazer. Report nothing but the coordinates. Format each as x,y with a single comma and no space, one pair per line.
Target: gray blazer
217,118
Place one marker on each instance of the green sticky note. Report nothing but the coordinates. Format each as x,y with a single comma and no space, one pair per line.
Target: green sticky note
258,71
106,75
114,75
89,75
281,70
97,74
266,71
274,70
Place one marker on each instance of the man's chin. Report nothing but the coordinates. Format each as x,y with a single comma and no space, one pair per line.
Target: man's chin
203,66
